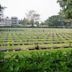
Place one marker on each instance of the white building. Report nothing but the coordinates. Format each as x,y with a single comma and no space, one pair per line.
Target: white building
14,20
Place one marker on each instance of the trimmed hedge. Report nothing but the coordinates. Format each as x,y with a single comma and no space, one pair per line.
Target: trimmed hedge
37,61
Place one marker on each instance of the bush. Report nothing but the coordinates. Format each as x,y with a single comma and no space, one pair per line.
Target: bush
38,61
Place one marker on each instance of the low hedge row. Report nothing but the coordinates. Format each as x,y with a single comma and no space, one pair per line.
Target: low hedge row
37,61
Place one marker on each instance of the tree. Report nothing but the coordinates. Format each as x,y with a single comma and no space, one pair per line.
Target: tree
32,17
25,22
55,21
66,10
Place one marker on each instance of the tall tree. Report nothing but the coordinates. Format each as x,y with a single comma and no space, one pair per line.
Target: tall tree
33,17
66,10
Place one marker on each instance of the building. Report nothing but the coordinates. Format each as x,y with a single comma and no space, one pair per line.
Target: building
14,20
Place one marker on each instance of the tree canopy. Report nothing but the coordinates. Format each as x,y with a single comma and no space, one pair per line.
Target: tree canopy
54,21
66,10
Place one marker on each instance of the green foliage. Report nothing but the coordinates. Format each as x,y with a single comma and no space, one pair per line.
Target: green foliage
2,61
66,6
24,21
55,21
38,61
1,55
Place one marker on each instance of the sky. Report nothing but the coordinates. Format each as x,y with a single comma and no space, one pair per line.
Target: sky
19,8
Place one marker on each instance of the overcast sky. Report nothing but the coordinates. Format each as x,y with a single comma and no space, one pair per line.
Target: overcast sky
45,8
